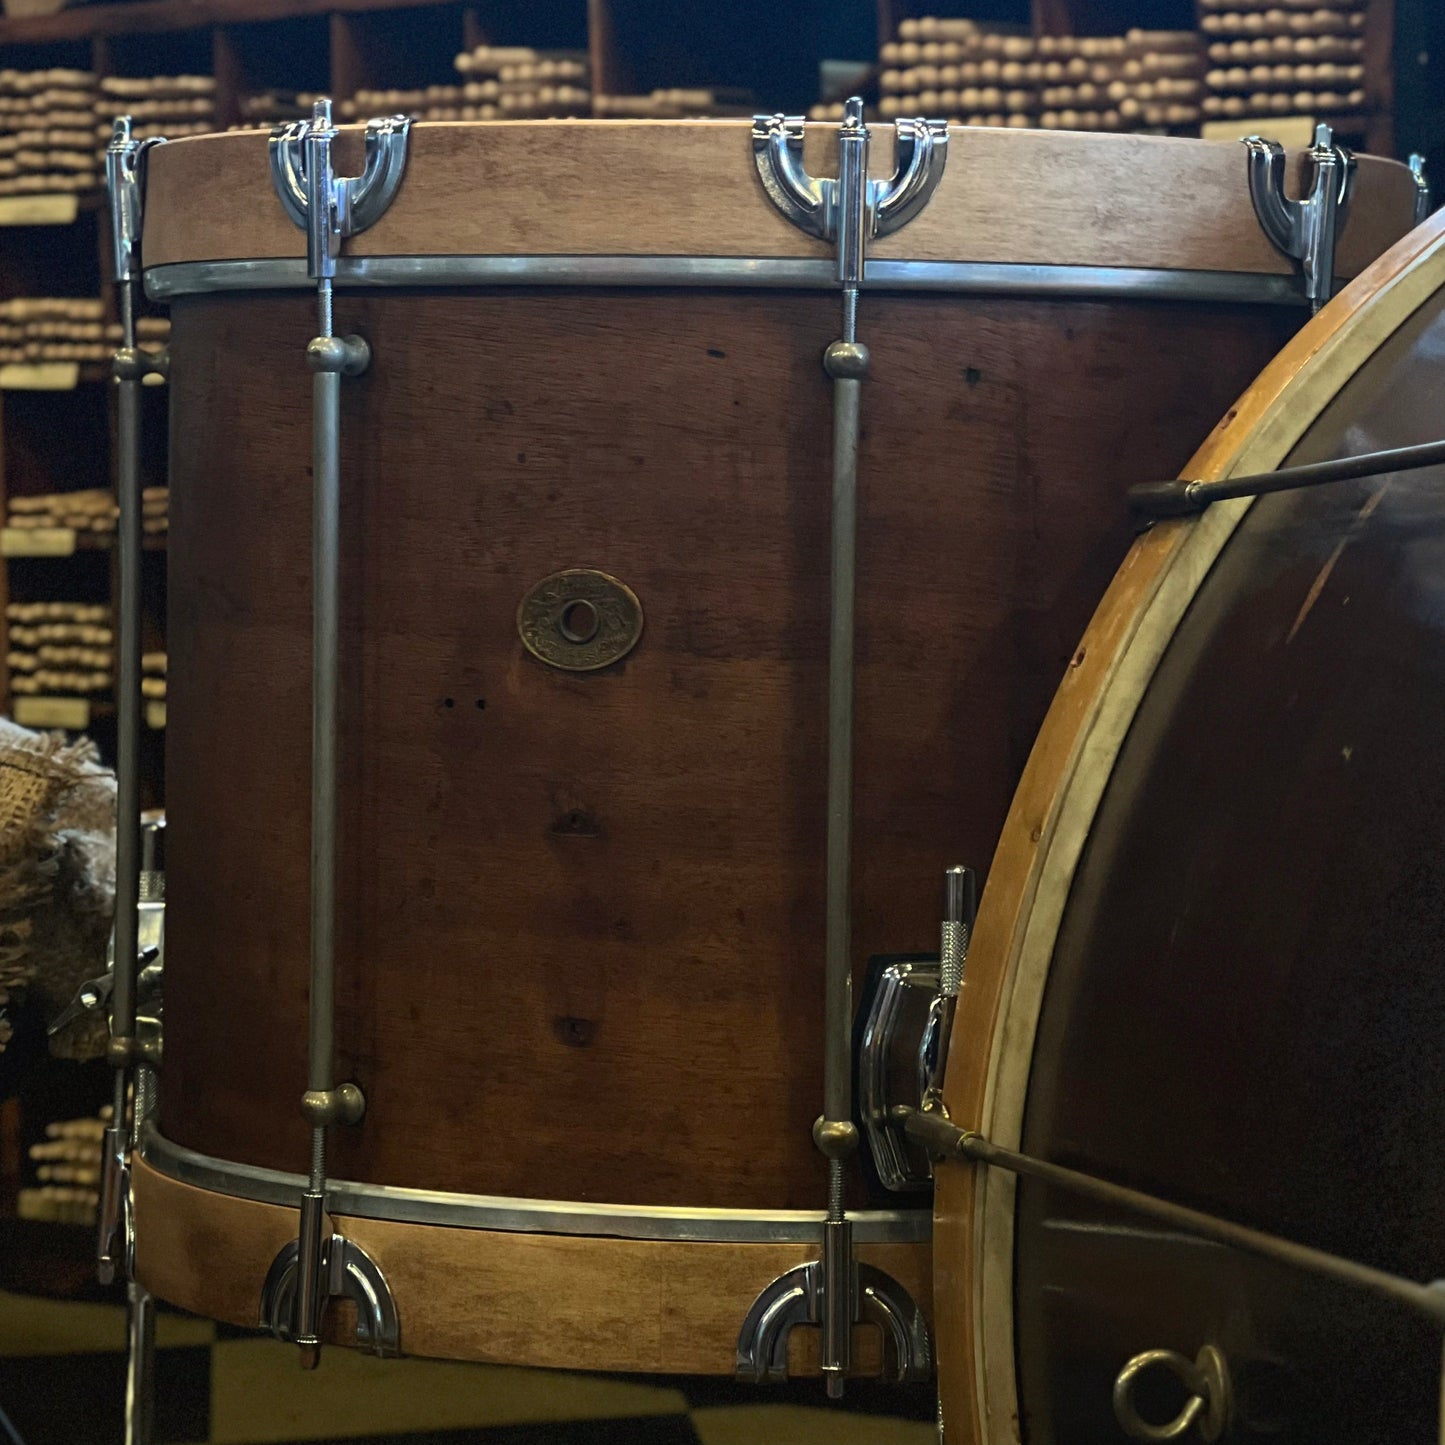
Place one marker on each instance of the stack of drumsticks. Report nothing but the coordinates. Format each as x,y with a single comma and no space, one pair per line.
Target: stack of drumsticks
153,676
47,144
956,69
270,108
67,1164
161,105
60,648
680,104
61,328
90,510
520,82
1284,57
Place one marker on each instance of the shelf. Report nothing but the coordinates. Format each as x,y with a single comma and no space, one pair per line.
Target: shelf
147,17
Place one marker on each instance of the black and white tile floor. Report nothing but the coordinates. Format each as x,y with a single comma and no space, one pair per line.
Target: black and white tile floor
62,1382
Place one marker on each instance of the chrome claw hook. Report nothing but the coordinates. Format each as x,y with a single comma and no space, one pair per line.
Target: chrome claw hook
1306,229
1423,199
816,206
300,153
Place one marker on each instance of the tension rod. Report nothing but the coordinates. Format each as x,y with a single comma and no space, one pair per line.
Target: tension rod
1154,500
947,1140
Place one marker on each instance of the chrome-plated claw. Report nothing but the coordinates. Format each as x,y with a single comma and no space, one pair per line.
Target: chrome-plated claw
797,1298
347,1270
349,203
819,206
1306,229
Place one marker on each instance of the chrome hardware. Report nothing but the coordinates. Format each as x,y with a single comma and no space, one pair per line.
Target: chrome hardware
960,905
125,184
1206,1377
329,208
903,1046
851,209
1422,187
335,206
848,211
1306,229
898,1012
799,1298
346,1270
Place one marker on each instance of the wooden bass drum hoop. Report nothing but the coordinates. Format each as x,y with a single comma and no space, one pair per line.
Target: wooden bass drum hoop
1054,809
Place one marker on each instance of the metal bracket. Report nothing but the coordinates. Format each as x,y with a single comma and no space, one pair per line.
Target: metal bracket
797,1298
347,1270
125,182
897,1016
1423,199
821,207
1306,229
302,150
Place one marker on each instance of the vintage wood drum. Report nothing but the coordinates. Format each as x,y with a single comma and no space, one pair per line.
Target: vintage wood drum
1207,964
607,657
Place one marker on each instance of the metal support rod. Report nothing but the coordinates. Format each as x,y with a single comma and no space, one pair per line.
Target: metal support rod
838,930
949,1141
325,642
1185,498
140,1375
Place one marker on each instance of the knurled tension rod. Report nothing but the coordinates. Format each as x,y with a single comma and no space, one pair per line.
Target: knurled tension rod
947,1141
1152,501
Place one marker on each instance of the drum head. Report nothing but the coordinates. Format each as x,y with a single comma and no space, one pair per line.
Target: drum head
1210,962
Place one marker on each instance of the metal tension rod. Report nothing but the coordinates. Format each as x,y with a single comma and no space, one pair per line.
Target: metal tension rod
328,208
947,1140
124,166
1155,500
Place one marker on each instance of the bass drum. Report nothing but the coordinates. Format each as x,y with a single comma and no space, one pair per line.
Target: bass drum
1208,961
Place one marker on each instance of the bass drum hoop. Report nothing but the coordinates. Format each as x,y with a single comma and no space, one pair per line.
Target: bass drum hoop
1054,809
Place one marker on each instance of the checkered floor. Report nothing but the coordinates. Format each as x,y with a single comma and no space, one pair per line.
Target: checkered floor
62,1382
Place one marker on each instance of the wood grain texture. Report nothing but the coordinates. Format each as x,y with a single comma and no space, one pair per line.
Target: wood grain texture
552,1301
581,915
1256,432
689,188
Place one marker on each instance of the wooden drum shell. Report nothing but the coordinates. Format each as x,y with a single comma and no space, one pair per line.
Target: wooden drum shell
579,934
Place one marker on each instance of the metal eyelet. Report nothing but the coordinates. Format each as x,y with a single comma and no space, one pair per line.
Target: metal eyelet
1206,1377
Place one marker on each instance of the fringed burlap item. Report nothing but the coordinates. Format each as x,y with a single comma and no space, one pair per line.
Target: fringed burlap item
57,872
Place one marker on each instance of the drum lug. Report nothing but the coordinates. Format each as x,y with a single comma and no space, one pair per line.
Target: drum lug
797,1298
1423,199
350,203
822,207
347,1271
901,1057
1306,229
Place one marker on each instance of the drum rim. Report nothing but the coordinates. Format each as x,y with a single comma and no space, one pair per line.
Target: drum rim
403,1205
191,278
1093,735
